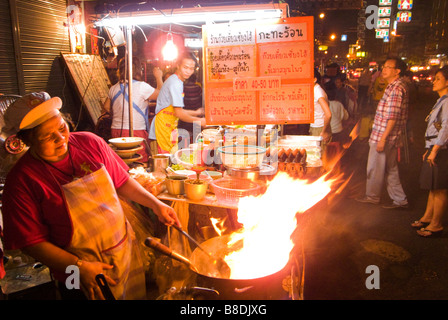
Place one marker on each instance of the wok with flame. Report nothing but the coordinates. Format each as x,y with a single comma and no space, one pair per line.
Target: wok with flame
260,254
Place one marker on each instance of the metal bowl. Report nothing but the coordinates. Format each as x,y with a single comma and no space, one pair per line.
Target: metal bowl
195,191
175,184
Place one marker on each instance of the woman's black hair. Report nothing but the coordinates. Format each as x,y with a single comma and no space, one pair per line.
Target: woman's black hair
123,73
317,76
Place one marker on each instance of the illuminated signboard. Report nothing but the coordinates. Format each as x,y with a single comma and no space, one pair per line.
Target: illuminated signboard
384,11
381,33
385,2
404,16
405,4
259,72
383,23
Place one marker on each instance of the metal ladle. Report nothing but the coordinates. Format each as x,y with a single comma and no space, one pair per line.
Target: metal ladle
221,265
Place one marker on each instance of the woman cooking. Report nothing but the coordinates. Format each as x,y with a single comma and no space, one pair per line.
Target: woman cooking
61,205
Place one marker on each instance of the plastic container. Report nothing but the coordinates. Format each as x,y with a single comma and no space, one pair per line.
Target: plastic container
242,156
184,157
209,135
229,191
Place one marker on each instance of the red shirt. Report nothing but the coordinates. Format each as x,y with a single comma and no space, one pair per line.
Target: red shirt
33,207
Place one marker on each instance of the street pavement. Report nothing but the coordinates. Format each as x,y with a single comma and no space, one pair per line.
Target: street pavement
345,240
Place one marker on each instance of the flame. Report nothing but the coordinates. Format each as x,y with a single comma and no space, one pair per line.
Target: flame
269,220
218,225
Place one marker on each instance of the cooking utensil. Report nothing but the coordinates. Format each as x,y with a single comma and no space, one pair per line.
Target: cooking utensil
159,162
151,243
198,171
228,190
126,142
169,171
252,174
175,184
242,156
221,265
195,189
269,287
104,286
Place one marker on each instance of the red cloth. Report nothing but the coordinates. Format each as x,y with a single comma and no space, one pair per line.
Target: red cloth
33,207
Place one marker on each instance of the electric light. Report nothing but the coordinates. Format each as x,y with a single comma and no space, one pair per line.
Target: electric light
156,19
169,51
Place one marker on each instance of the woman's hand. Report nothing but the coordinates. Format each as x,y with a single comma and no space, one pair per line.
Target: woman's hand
157,72
432,158
424,155
166,214
88,271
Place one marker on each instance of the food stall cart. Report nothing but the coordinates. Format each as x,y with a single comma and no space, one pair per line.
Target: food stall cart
255,74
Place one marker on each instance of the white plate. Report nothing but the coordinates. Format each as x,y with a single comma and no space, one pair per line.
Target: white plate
126,142
184,172
134,158
127,153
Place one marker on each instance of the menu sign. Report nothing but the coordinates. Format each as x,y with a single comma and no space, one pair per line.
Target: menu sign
259,73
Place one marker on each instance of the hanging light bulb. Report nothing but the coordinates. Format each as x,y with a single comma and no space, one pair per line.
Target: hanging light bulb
169,51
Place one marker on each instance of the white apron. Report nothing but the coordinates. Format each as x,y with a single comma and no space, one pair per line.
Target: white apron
102,233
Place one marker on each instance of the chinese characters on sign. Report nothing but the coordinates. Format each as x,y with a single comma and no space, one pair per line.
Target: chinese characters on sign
405,4
259,73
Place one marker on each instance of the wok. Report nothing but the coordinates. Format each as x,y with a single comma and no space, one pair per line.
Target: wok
264,288
277,286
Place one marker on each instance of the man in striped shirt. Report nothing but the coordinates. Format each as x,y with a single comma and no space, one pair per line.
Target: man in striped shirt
390,120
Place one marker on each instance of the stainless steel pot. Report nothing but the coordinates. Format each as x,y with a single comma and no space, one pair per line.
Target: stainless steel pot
175,184
252,174
159,162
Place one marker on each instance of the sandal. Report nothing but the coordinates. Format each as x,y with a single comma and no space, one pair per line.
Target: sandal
425,233
419,224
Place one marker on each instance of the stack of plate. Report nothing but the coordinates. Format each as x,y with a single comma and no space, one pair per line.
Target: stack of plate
127,148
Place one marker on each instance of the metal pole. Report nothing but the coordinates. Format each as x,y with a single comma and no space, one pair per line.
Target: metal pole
129,53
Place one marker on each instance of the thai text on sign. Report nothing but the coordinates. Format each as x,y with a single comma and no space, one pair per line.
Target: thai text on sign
259,73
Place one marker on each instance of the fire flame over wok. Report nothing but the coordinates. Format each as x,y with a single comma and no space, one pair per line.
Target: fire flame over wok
264,243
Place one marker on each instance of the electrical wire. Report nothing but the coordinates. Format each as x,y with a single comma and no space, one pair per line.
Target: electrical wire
84,94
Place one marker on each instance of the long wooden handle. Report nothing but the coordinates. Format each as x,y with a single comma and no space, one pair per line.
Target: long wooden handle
151,243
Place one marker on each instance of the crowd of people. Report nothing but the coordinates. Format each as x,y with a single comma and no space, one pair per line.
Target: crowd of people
388,95
69,212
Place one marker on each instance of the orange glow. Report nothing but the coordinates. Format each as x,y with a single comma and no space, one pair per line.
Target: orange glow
218,225
269,220
169,51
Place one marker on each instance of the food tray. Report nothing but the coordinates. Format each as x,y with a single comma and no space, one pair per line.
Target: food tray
312,145
154,182
228,191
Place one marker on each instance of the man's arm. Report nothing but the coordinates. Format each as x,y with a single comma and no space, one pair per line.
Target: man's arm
188,117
